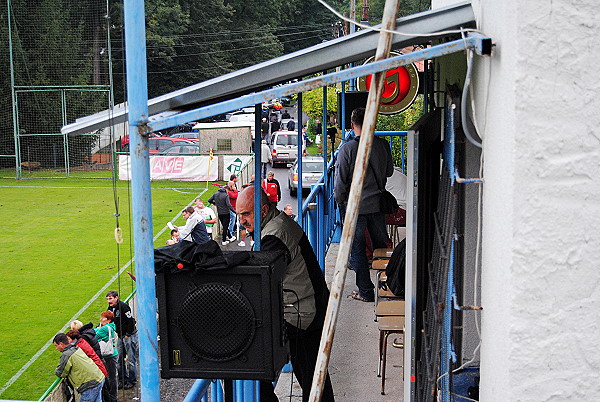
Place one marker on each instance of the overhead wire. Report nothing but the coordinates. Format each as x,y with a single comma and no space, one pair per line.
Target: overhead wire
395,32
230,50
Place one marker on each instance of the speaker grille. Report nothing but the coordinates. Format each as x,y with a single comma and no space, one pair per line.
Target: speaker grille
217,322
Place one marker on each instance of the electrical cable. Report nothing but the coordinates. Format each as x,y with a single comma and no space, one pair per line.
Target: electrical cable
463,100
427,34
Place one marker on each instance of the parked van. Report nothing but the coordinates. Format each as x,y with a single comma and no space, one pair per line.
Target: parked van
284,147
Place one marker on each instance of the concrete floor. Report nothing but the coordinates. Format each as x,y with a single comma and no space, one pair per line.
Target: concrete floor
353,364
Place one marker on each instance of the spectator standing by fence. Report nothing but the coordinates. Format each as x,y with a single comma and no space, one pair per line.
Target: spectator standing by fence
291,125
232,192
221,200
105,332
209,216
272,188
370,217
81,371
265,158
125,325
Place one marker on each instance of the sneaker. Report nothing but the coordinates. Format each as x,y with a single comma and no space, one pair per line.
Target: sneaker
232,239
128,385
242,244
251,243
225,242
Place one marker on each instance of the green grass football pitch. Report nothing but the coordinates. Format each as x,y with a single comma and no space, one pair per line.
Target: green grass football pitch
58,252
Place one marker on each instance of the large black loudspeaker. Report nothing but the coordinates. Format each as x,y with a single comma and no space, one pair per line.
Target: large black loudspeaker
223,324
354,99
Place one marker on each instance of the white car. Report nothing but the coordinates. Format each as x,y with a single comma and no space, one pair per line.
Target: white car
312,170
244,118
284,147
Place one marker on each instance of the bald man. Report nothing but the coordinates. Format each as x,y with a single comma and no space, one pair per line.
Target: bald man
306,294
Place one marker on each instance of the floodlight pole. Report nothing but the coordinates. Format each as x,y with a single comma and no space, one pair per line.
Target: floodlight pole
137,99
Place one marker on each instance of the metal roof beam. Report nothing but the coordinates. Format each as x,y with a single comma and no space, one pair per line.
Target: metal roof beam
472,41
318,58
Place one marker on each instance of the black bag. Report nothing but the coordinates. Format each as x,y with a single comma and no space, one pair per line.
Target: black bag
396,269
388,203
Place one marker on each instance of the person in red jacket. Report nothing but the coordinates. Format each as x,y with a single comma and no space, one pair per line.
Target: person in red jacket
74,336
272,188
232,192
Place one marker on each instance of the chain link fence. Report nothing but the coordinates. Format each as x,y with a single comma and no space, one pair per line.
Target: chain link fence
57,68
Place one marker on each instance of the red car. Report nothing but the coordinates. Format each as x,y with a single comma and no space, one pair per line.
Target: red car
159,144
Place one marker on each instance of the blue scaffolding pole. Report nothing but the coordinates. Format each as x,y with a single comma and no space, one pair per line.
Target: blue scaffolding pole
141,197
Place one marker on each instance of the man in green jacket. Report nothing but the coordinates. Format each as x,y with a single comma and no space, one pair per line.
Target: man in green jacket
81,371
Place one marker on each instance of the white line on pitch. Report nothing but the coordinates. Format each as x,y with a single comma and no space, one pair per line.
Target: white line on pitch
81,311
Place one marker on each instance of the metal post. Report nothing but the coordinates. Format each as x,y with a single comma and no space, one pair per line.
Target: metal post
358,179
425,87
352,30
321,227
18,172
257,173
111,94
238,394
299,192
63,101
324,139
248,390
216,391
447,330
311,228
412,202
198,391
137,97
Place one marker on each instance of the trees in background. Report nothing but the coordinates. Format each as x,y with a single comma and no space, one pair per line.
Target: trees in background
64,43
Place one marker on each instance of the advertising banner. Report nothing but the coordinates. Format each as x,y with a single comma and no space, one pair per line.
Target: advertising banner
233,164
178,168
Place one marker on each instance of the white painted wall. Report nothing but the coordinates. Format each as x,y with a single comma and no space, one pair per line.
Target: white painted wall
537,107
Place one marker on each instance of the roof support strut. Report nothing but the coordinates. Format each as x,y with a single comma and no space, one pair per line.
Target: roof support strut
472,41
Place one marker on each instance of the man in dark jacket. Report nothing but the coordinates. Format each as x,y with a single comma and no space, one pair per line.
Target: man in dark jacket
128,339
291,125
370,217
305,296
221,200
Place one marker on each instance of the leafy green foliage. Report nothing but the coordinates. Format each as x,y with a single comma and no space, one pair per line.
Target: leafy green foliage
400,122
312,102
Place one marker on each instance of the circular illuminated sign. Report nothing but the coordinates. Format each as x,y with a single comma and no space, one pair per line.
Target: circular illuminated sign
399,89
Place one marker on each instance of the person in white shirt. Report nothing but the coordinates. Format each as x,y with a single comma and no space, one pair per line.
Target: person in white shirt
210,218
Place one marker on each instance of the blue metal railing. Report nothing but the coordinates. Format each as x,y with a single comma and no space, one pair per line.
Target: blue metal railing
243,391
